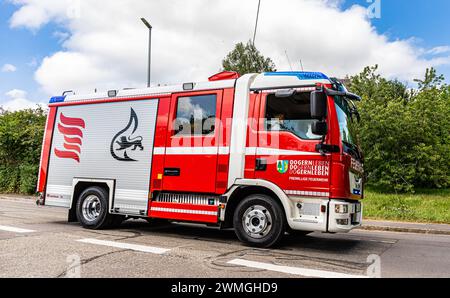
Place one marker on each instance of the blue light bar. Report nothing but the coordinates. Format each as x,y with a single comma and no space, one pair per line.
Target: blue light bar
301,75
57,99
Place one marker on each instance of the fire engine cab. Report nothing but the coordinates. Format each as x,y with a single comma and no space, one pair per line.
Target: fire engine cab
262,153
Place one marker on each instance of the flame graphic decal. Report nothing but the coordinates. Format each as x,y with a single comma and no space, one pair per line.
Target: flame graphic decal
71,128
123,140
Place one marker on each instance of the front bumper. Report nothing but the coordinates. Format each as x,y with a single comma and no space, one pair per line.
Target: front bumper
344,222
321,215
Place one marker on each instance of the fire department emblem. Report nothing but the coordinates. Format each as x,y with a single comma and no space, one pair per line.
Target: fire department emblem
72,130
283,166
124,141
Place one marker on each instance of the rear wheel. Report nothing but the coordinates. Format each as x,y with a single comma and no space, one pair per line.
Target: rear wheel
92,209
259,221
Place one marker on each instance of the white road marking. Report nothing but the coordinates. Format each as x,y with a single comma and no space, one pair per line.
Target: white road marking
15,230
141,248
382,241
293,270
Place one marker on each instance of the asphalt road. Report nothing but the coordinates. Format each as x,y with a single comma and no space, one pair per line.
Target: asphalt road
38,242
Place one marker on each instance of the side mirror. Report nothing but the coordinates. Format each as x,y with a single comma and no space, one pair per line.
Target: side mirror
318,105
319,128
179,129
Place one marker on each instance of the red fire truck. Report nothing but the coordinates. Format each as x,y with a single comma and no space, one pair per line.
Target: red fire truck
262,153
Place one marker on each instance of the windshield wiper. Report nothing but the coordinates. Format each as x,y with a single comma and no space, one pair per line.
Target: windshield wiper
354,149
353,110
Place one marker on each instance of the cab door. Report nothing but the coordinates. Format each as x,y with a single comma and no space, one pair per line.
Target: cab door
287,147
193,142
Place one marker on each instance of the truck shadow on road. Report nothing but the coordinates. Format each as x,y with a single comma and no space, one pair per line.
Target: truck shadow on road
314,241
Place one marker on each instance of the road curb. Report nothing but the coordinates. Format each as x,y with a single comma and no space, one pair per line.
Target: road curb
404,230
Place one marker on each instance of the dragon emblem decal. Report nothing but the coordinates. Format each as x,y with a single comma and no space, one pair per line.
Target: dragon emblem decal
124,141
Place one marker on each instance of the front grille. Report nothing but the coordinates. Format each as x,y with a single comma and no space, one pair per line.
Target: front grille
311,209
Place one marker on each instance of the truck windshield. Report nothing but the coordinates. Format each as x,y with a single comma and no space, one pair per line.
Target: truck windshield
346,121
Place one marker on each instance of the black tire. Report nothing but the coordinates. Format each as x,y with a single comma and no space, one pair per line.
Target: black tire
89,221
263,213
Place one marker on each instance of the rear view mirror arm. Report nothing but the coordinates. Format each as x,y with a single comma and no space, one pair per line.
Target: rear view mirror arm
349,95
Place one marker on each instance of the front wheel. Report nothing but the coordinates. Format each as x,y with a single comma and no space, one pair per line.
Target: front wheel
259,221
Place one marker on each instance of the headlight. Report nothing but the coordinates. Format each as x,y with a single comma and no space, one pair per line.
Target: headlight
342,209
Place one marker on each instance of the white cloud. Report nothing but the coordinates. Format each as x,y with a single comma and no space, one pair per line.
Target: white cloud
61,36
16,93
18,101
33,14
107,46
439,50
9,68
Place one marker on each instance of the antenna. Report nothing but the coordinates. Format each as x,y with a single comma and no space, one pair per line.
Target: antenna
256,25
287,56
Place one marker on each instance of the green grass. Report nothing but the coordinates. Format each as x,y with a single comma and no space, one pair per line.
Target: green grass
430,206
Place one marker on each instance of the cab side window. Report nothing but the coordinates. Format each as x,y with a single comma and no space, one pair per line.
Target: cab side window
290,114
195,115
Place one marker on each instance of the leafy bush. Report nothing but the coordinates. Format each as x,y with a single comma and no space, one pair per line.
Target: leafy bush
28,178
404,133
21,135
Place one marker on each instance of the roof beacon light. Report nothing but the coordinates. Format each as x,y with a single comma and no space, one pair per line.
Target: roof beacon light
112,93
224,75
301,75
188,86
57,99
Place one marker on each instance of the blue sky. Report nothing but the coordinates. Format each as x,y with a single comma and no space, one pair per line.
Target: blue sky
425,22
23,49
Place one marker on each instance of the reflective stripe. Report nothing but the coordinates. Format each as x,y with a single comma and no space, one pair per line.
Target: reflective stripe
275,152
59,189
191,150
226,151
173,210
159,150
307,193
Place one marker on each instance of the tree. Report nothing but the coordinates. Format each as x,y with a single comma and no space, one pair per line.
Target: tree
432,80
21,135
247,59
404,135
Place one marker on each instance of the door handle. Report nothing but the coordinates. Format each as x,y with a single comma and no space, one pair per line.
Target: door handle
261,164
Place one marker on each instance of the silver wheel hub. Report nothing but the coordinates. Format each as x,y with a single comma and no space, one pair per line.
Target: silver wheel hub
91,208
257,221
